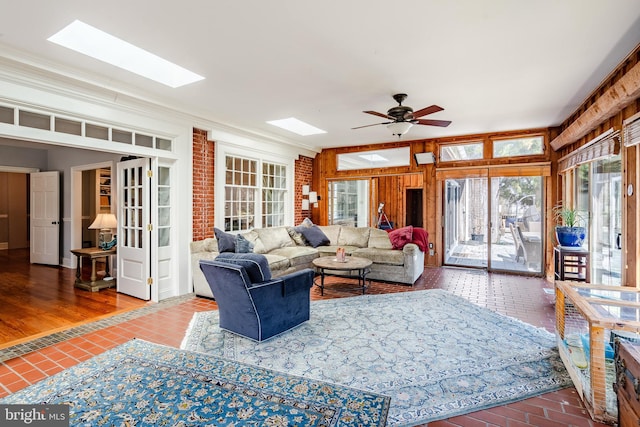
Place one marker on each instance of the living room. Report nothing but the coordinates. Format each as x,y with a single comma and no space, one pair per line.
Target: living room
598,119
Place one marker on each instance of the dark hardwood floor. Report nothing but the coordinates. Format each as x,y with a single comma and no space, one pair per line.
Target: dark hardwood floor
36,300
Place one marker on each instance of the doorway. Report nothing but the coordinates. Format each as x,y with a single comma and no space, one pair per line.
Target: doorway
414,207
494,223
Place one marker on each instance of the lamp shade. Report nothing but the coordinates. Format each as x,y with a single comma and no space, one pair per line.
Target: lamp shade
399,128
104,221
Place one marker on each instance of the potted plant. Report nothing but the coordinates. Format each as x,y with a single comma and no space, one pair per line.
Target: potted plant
569,231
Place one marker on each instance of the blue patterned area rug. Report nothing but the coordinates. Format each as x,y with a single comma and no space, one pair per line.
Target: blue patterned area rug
435,354
145,384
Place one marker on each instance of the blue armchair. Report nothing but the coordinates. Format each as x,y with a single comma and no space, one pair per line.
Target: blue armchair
250,302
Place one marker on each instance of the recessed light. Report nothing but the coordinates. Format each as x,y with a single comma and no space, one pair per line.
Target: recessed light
296,126
90,41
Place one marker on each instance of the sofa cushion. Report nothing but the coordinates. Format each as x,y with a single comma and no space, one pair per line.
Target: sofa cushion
315,236
274,238
330,250
226,241
379,239
209,244
256,265
253,237
332,232
277,263
354,236
297,255
296,236
243,245
401,236
381,256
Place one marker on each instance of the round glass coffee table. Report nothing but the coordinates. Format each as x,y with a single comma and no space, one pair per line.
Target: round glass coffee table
352,268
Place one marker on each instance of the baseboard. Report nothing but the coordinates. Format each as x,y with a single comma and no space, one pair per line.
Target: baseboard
68,262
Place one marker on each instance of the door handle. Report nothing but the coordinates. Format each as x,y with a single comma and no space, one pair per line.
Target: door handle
54,222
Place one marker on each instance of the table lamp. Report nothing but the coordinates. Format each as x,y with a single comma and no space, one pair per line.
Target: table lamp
105,222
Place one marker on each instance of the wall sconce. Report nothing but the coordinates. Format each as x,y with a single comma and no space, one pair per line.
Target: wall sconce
425,158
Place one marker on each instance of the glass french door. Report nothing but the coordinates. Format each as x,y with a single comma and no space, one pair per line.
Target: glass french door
598,189
494,223
465,222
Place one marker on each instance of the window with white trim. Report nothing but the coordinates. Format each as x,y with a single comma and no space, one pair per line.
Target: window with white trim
274,189
240,193
255,194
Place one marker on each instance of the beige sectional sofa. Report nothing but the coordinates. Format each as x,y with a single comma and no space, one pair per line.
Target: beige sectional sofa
287,251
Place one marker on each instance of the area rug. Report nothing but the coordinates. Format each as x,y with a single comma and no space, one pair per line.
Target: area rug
435,354
144,384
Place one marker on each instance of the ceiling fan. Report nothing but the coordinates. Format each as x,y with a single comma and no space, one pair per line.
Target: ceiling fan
403,117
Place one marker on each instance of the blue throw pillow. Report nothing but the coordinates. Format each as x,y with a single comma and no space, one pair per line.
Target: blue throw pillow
243,246
256,265
314,236
226,241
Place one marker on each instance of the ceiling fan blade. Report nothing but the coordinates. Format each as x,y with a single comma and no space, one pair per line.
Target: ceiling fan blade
375,113
427,110
375,124
441,123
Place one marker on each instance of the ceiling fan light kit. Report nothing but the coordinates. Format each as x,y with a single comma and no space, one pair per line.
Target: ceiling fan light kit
399,128
403,117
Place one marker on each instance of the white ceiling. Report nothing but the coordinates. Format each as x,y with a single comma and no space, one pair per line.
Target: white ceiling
493,65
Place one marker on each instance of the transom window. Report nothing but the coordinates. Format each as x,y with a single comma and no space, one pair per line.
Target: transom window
461,152
526,146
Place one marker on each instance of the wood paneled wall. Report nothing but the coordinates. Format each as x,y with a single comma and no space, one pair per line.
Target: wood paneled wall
389,185
630,156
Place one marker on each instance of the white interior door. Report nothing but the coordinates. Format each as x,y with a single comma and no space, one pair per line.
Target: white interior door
134,235
45,218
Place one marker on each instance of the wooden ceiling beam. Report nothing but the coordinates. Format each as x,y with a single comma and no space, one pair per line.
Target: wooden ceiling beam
622,93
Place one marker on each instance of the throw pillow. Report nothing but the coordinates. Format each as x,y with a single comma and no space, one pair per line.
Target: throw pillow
306,223
315,236
296,236
256,265
226,241
401,236
420,238
243,246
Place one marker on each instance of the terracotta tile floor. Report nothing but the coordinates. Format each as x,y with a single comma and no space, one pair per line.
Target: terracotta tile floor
520,297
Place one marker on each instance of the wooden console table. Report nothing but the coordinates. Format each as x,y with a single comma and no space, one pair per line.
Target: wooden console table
93,254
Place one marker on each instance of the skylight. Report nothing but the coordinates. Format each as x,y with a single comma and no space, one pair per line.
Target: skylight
90,41
296,126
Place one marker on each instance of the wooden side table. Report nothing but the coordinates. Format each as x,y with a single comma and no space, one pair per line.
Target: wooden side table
94,254
571,263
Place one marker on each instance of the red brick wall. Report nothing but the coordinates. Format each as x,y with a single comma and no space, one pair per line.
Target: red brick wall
203,185
303,174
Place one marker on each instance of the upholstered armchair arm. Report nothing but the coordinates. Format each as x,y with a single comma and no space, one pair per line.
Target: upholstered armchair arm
289,284
282,303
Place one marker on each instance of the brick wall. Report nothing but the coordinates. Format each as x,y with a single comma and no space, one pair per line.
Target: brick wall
303,174
203,185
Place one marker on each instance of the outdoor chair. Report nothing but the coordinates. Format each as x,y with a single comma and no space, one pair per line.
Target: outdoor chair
527,247
250,302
